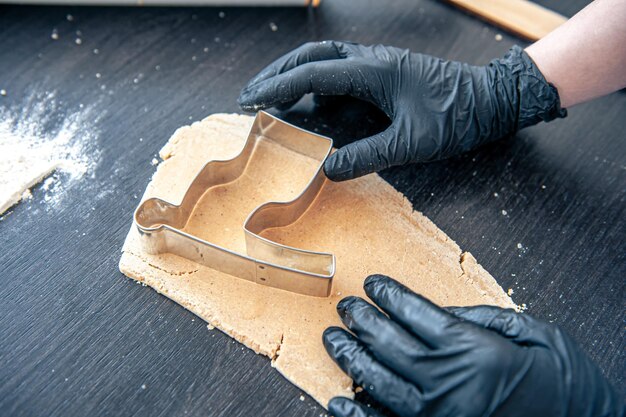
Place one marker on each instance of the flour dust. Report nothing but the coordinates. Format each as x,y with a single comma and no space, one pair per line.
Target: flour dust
41,141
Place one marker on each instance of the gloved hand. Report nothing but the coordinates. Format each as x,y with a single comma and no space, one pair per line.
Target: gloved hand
438,108
421,360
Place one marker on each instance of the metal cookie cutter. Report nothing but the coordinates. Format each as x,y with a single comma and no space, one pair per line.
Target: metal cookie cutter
160,223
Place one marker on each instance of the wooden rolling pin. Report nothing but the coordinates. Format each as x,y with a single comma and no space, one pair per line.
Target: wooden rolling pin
521,17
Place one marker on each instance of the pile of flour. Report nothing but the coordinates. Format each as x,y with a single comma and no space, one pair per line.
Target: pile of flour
40,141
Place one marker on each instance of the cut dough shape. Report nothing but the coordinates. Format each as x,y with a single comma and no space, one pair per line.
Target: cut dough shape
369,226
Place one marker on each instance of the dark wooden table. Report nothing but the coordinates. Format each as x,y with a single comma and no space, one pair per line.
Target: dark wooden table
78,338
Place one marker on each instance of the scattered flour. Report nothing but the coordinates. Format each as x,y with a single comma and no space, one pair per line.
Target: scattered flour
37,144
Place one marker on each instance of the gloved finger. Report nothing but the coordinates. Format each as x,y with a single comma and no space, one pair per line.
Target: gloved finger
381,383
344,407
520,328
421,317
480,315
335,77
362,157
308,52
389,342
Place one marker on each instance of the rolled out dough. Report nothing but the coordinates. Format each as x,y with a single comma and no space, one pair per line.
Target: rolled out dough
370,227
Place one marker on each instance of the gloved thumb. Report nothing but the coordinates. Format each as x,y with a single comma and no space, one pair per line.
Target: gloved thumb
362,157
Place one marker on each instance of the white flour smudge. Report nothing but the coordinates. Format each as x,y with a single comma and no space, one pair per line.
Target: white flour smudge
40,141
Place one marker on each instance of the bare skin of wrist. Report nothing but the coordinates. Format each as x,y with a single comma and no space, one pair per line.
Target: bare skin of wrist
585,58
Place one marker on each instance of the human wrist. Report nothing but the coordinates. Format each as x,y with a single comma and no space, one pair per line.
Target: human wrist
523,95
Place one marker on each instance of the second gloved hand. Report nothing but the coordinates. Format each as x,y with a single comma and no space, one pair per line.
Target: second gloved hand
421,360
438,108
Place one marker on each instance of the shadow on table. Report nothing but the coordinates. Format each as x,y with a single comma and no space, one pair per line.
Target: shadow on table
515,163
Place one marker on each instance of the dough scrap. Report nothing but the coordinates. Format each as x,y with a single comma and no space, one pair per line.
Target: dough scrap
19,171
369,226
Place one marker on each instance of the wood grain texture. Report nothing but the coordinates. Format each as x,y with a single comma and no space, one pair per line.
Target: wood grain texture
77,338
520,17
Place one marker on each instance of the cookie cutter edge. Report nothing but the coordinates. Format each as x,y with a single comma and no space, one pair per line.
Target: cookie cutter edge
265,262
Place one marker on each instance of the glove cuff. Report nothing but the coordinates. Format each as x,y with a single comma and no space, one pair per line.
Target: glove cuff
531,97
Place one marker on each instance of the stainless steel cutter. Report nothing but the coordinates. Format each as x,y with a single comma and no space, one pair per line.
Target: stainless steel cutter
160,223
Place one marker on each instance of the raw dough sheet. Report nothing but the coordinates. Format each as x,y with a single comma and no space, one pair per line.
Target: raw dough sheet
369,226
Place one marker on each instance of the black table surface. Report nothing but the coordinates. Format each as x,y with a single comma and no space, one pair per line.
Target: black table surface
78,338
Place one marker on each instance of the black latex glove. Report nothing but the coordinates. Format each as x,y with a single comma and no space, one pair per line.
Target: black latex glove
421,360
438,108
